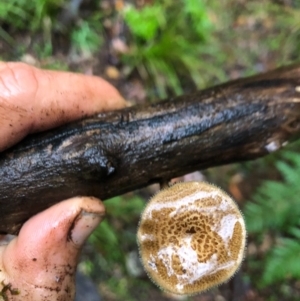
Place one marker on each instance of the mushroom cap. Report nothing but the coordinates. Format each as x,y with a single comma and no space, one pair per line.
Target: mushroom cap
191,237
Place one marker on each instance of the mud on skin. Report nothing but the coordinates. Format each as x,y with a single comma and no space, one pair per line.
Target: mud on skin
40,264
55,282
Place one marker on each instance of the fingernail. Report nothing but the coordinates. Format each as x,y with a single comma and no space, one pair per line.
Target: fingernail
83,226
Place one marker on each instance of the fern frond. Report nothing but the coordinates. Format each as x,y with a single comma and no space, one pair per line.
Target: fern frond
276,204
283,262
276,207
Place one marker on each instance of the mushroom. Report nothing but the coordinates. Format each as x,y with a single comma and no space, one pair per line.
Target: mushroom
191,237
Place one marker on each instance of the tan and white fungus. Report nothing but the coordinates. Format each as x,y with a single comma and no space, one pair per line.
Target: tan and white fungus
191,237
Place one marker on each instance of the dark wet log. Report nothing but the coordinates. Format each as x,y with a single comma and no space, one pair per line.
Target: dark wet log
121,151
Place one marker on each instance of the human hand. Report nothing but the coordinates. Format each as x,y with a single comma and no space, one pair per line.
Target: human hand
40,263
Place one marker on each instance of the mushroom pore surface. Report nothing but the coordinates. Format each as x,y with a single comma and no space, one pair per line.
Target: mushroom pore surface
191,237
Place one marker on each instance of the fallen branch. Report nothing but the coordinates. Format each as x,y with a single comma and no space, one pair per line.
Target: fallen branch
121,151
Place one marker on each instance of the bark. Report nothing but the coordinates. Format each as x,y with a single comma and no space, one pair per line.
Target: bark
121,151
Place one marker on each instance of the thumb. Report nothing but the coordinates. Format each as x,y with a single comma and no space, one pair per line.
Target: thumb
40,263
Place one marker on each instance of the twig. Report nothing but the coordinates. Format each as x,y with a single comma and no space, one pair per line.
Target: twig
121,151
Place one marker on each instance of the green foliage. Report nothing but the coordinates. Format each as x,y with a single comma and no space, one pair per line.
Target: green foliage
21,14
29,16
124,208
198,13
111,241
276,205
168,43
87,38
145,23
283,261
105,256
276,209
42,16
116,234
56,65
107,242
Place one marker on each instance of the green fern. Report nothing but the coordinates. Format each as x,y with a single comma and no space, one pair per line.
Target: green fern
276,208
283,261
276,205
